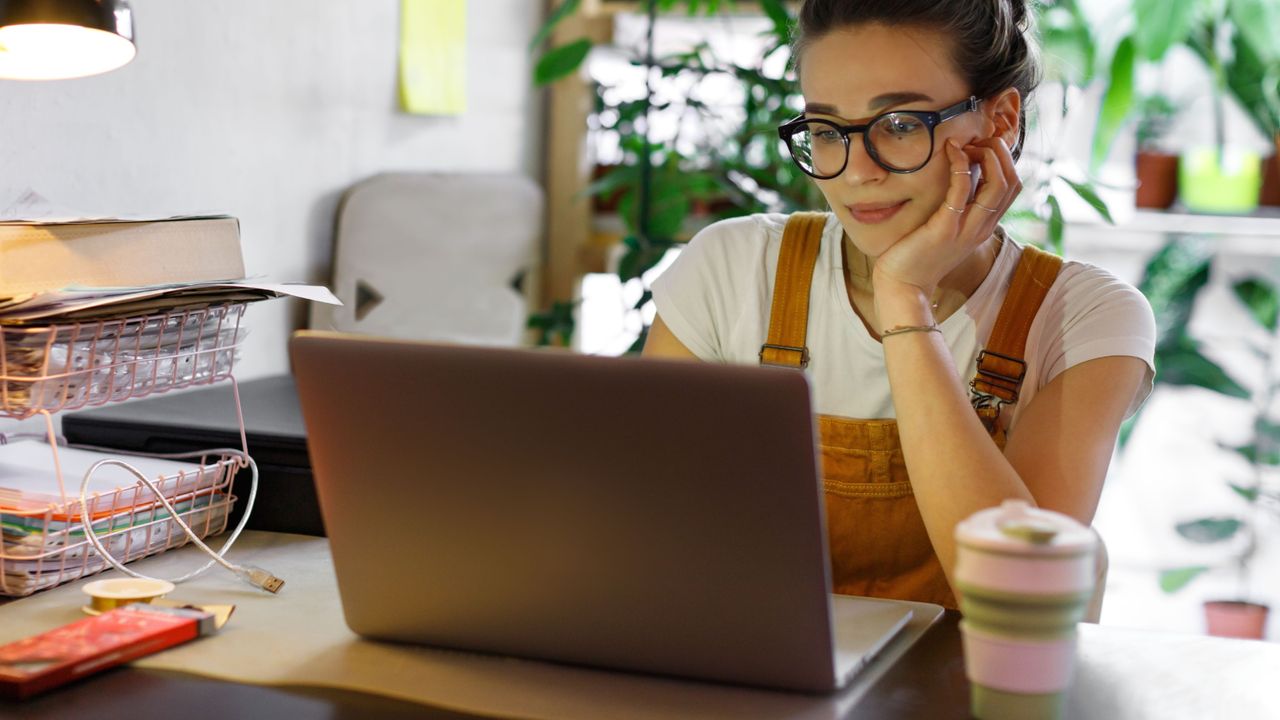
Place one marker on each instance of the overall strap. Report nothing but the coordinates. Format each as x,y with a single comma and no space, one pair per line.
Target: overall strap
1002,364
789,316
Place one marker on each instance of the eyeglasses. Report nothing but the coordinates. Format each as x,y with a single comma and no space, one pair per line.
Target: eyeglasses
900,141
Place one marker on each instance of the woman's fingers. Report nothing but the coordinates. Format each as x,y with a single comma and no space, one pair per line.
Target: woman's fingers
961,181
1001,184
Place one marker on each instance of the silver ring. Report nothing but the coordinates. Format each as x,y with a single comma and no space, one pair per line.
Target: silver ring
984,207
947,205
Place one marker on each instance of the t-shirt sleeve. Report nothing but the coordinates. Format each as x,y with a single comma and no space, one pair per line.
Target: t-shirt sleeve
694,296
1097,315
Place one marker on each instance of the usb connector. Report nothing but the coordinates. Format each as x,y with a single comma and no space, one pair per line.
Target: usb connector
260,578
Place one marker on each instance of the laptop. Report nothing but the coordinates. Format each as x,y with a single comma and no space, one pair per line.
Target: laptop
645,515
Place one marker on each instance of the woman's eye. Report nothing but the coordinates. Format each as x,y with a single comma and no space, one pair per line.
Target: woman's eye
822,133
902,125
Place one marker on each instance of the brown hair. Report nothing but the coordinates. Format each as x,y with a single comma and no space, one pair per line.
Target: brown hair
993,41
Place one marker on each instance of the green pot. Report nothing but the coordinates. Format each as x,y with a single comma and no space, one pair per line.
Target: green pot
1229,186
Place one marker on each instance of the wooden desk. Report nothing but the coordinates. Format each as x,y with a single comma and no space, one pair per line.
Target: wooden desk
298,639
928,682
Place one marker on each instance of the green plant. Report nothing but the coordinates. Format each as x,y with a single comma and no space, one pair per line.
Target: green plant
741,169
1173,282
1236,39
1155,115
1240,42
1072,54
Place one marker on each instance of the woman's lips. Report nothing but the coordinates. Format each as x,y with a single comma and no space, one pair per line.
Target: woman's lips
873,213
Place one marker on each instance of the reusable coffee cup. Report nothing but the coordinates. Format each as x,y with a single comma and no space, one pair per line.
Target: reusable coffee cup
1025,576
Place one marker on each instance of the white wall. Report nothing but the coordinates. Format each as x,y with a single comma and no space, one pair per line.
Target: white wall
266,110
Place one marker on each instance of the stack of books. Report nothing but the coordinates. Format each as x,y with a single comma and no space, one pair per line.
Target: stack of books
71,270
103,310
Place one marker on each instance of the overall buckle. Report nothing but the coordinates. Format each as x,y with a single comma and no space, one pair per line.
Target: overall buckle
803,352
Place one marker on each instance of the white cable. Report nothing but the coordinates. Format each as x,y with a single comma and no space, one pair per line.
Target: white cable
253,575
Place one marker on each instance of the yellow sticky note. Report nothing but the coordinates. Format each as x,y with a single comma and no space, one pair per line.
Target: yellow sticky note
433,56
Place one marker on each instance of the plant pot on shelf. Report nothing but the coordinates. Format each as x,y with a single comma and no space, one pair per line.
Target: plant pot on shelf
1157,175
1270,194
1236,618
1230,185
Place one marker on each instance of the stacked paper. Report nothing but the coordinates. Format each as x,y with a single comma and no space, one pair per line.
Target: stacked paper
43,541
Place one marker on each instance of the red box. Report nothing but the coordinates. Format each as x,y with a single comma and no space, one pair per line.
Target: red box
38,663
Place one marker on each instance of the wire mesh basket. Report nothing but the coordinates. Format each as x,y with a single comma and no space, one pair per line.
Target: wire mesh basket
44,541
50,368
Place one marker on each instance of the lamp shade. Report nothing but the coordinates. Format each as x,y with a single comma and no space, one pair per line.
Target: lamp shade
58,39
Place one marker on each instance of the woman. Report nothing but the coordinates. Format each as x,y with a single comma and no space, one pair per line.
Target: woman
906,291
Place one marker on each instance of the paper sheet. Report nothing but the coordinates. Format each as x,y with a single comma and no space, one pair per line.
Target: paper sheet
433,56
79,304
26,469
299,638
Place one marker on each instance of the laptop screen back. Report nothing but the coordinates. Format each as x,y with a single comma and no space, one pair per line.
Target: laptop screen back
638,514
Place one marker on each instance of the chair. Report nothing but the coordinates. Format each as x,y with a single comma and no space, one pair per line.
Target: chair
434,256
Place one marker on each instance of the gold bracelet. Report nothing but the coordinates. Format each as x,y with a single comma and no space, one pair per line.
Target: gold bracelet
910,328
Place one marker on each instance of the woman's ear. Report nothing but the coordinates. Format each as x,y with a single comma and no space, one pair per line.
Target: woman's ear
1005,110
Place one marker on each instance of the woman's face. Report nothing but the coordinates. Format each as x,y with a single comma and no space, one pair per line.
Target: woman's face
851,75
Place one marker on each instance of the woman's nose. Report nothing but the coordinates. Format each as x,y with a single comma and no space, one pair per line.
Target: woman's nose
861,167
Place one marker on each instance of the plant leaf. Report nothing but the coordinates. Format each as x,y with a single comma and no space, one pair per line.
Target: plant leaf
1267,431
1248,493
1116,104
1090,196
1209,530
1250,453
564,10
617,177
1161,24
1180,363
645,297
640,256
1069,47
555,326
561,61
780,17
1022,215
1172,281
1174,580
1257,21
1262,300
638,345
1057,225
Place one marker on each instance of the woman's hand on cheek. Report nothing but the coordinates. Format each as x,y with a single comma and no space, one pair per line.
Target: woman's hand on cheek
912,268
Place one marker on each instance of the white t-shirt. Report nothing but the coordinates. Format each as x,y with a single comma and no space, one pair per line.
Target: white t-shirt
717,296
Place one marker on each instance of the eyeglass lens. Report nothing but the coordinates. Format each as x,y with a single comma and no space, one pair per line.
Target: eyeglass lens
898,142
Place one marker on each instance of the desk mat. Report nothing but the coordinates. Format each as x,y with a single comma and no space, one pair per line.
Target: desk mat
299,638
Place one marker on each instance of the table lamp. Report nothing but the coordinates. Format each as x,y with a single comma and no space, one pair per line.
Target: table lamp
59,39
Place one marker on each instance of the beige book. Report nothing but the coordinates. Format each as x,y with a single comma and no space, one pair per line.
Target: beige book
37,257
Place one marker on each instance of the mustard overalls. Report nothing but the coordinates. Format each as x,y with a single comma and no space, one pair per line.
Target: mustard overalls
878,543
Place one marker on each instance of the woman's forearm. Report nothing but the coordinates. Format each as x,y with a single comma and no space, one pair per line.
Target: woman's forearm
954,466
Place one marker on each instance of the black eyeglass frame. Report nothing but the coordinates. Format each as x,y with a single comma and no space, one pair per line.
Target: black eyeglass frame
930,119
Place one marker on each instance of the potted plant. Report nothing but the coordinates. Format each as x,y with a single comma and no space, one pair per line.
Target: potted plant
1252,76
1221,178
1237,42
1173,281
1155,166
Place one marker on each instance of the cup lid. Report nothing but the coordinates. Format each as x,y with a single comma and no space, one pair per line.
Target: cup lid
1015,526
